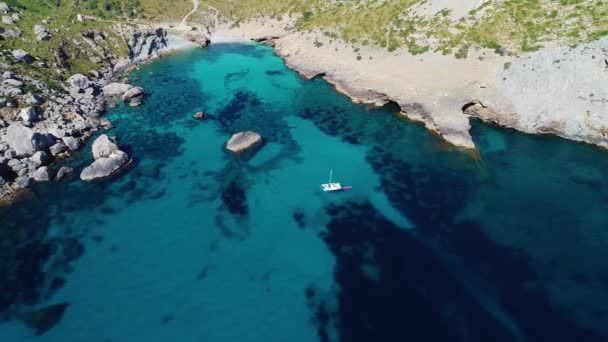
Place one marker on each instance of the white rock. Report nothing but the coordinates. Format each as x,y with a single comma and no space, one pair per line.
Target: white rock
79,82
22,56
4,7
116,89
105,167
42,174
243,141
57,149
25,141
40,158
103,147
71,142
12,82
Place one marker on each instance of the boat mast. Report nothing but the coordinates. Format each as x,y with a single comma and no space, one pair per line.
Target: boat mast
330,172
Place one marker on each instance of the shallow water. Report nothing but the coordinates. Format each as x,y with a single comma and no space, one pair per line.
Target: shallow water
195,244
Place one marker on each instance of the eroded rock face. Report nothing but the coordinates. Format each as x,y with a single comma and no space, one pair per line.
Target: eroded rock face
108,159
243,141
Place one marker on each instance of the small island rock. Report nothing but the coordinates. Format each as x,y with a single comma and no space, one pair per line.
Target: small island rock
108,159
243,141
199,116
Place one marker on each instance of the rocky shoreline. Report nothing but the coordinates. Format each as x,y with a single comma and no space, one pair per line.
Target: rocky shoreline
560,91
40,126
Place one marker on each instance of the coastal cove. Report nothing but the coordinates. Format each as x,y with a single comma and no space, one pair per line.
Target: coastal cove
193,243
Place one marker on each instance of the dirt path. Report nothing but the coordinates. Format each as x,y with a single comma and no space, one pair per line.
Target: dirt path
184,21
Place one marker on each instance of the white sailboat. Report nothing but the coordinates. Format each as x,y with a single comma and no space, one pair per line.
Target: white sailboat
334,186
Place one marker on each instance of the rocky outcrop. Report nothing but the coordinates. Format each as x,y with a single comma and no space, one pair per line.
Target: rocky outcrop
134,96
243,141
116,89
79,82
108,160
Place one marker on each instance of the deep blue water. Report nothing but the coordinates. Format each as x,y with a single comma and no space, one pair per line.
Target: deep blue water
194,244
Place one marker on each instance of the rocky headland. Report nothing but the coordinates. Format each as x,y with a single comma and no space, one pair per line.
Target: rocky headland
42,122
557,90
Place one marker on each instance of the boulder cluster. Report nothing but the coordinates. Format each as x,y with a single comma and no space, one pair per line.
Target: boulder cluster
41,124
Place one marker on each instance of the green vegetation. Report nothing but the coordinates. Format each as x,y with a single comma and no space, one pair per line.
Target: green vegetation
508,26
67,52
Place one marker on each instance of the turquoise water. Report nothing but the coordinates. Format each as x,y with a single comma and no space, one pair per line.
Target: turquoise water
194,244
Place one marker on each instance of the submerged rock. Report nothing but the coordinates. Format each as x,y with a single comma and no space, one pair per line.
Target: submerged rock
63,172
44,319
108,159
243,141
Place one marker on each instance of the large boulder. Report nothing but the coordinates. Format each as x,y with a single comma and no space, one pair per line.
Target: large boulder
103,147
25,141
105,167
4,8
243,141
108,159
79,82
134,96
116,89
